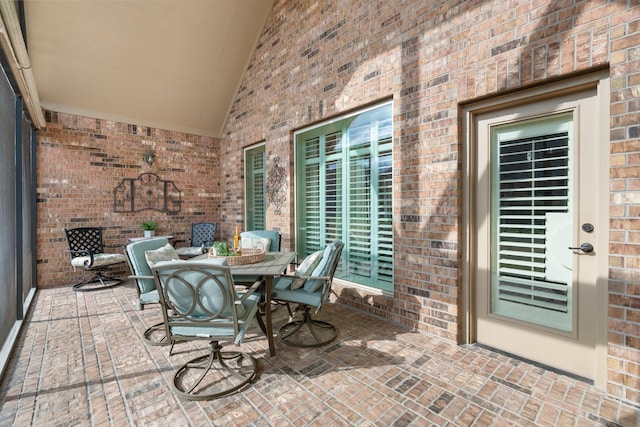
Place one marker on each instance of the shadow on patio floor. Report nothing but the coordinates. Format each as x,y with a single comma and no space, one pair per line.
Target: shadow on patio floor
80,360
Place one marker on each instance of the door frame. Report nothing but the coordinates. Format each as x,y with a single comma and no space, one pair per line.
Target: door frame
469,240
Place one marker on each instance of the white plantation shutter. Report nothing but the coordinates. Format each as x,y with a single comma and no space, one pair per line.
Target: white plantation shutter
345,191
384,224
331,227
531,192
309,190
360,216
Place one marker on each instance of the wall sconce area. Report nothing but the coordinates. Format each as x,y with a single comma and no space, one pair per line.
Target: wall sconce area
149,157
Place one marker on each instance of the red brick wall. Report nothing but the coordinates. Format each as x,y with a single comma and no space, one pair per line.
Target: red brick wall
318,59
80,162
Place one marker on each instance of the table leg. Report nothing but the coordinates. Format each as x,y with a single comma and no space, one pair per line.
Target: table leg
267,314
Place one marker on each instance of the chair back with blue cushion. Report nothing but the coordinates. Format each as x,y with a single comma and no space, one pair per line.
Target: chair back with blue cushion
199,302
272,235
141,271
256,239
138,254
310,287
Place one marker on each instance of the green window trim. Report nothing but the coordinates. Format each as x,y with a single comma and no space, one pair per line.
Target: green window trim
344,190
255,188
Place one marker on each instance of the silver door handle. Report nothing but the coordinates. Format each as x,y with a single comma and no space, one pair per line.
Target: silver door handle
585,247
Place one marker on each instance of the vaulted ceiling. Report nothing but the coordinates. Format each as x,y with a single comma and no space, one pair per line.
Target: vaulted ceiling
170,64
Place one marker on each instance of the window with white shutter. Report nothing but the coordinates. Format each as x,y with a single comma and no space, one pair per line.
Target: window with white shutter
255,191
532,203
344,190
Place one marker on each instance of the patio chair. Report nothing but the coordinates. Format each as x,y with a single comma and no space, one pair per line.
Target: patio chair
309,287
86,248
199,302
269,240
203,234
145,284
250,238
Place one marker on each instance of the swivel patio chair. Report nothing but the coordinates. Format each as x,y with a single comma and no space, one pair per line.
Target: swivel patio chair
145,284
199,302
262,236
86,248
309,287
203,234
270,241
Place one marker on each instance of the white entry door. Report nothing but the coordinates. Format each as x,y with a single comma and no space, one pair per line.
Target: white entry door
539,244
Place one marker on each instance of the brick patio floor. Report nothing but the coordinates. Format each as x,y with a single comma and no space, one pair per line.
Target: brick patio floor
80,361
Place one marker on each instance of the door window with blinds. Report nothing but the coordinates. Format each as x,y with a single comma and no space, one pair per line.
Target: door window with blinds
344,191
531,211
255,188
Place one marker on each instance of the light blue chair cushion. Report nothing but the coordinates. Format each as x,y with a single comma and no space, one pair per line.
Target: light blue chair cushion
140,267
322,269
282,291
211,295
212,300
149,297
223,327
306,268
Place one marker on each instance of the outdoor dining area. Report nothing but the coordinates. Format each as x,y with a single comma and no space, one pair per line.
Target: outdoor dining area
83,360
212,292
334,213
197,341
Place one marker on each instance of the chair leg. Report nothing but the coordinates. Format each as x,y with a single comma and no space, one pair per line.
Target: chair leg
290,312
307,332
214,375
106,282
263,327
156,335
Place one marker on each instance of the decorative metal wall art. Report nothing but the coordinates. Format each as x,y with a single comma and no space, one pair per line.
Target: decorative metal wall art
276,186
147,191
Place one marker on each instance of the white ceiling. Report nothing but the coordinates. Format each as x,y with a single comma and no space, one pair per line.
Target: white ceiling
170,64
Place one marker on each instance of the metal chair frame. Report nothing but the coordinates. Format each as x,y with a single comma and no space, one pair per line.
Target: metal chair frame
217,373
287,332
203,234
155,334
88,242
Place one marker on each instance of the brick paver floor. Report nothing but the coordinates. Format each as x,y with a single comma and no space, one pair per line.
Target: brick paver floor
80,361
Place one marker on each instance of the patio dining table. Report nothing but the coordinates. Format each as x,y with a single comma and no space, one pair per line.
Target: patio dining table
274,265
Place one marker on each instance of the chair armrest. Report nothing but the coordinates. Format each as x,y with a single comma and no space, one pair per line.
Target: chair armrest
306,277
133,276
81,253
175,242
256,285
119,245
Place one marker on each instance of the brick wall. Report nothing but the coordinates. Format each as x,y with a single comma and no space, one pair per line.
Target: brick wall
80,162
318,59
